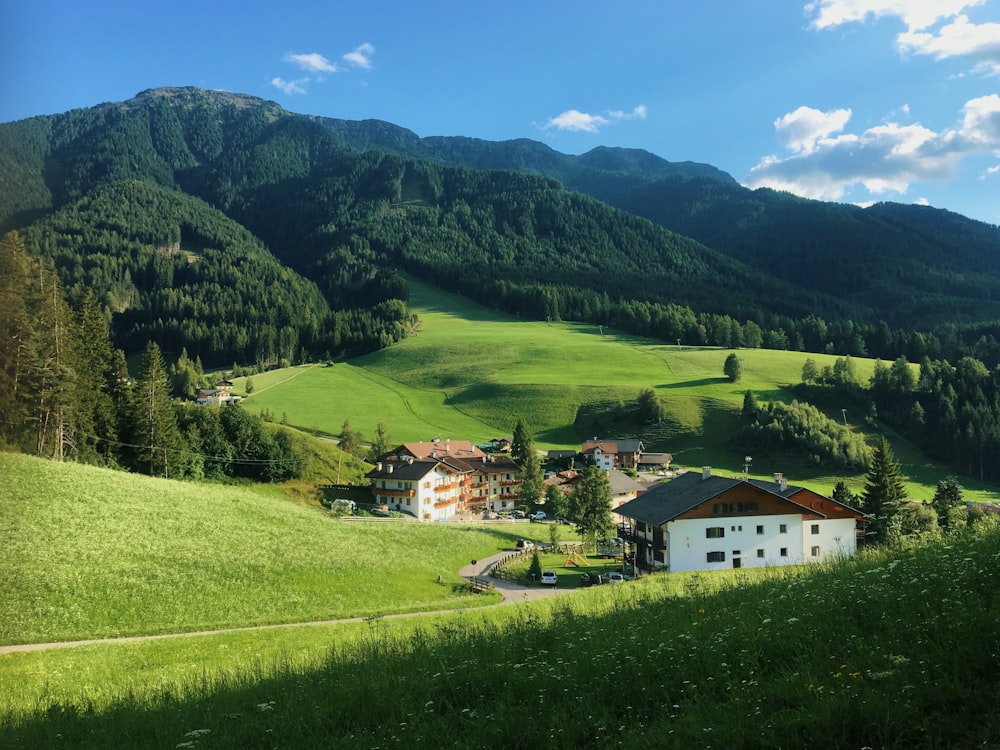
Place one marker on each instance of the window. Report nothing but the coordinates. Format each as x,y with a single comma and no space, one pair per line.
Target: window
719,508
815,528
760,529
715,532
736,528
815,551
715,557
783,528
760,554
784,551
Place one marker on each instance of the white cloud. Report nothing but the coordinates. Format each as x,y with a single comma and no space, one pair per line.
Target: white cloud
802,129
958,38
361,56
639,112
313,62
577,121
922,202
886,158
916,14
290,87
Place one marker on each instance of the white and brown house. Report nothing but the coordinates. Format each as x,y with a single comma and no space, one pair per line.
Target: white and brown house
709,522
440,479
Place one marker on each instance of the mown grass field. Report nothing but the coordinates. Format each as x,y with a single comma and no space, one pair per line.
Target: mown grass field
470,372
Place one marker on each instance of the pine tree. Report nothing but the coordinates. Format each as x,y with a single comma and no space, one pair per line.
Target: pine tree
154,432
522,444
885,490
15,334
97,421
750,407
842,494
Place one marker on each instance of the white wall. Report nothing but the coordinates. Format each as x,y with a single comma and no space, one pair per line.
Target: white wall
688,545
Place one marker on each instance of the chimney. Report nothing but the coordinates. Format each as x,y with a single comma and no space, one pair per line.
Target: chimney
706,472
779,479
378,466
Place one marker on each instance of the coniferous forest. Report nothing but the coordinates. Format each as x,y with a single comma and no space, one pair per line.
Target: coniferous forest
225,229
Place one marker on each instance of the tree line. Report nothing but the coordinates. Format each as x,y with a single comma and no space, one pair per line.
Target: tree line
65,392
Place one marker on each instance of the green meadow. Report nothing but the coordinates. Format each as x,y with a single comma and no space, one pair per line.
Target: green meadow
894,648
94,553
470,372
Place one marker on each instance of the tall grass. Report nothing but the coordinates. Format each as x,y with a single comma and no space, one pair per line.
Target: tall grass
90,553
892,649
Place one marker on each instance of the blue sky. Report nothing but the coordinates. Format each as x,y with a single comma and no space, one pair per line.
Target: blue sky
848,100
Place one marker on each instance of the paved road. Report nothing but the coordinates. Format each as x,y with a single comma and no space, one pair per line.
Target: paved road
511,593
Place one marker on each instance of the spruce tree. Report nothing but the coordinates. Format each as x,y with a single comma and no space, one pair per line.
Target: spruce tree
522,444
97,422
15,334
885,490
154,433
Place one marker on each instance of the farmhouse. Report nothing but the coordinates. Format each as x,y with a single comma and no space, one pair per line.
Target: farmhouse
612,454
221,394
439,479
708,522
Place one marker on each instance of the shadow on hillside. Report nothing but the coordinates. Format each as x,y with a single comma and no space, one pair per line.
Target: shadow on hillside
694,383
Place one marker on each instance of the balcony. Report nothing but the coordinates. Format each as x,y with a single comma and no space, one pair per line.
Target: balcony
511,482
446,502
394,493
446,487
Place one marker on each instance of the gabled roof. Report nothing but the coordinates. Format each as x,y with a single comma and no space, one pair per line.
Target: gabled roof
403,469
621,483
629,446
442,448
560,454
669,500
604,446
656,458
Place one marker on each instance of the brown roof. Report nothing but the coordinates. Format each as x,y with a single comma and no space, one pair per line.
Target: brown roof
442,448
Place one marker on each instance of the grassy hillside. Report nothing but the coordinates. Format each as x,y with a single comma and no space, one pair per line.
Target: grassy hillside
893,649
91,553
470,372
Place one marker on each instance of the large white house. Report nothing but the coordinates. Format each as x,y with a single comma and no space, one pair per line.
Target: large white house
708,522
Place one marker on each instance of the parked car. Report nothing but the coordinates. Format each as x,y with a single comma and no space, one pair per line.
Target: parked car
519,514
525,544
538,515
615,576
549,577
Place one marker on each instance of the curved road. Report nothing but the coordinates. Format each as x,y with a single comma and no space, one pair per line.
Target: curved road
512,593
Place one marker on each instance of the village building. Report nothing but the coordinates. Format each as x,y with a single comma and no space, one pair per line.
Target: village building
222,393
612,454
709,522
437,480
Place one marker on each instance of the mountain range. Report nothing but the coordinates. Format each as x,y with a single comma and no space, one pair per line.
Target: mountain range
226,225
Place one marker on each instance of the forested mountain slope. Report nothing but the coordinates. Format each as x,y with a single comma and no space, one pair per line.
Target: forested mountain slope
913,266
791,273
